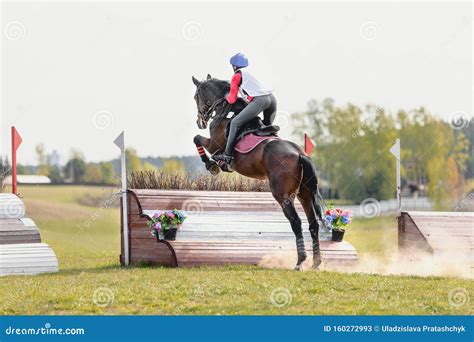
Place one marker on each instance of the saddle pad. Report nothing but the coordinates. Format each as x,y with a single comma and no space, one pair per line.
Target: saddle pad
250,141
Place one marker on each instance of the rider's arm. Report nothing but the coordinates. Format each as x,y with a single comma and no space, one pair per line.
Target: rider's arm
234,88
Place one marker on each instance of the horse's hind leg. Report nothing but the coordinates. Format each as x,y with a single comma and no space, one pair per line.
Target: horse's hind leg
288,205
312,211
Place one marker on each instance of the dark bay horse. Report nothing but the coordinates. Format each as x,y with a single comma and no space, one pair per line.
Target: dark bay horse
290,172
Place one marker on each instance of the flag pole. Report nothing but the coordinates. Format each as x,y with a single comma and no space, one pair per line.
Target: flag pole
120,143
16,141
395,150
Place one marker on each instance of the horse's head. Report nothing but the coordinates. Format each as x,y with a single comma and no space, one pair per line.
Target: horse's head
209,94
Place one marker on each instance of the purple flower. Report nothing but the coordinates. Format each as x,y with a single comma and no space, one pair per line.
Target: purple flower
157,226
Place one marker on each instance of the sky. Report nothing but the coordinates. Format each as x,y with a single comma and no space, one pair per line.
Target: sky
75,74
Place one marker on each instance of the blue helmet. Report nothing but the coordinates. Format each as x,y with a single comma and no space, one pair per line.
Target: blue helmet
239,60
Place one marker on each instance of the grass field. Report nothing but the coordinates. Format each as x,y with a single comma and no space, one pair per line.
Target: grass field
86,241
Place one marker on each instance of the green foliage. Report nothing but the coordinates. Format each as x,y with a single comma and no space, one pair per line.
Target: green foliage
352,150
23,169
75,170
468,132
45,168
55,174
107,173
133,160
102,173
40,154
173,166
92,174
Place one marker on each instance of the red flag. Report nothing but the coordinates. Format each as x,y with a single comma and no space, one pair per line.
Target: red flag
308,144
16,141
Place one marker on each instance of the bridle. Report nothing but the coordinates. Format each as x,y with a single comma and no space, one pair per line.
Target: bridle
209,113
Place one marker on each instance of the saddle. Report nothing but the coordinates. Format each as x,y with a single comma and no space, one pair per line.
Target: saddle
254,126
255,131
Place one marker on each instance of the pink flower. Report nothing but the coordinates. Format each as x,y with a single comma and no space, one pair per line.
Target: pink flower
155,215
171,215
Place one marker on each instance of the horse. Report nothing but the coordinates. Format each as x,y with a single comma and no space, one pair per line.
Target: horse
290,172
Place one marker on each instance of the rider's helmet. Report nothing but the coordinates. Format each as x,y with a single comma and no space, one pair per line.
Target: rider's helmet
239,61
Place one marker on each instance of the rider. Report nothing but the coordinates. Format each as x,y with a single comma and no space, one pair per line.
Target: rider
244,85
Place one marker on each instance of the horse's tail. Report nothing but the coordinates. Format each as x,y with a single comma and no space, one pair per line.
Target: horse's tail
310,182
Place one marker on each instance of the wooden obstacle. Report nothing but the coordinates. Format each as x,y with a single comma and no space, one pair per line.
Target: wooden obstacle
21,250
221,228
437,233
18,230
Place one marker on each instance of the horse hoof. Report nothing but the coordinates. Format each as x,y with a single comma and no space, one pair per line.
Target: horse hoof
298,268
213,168
316,263
301,258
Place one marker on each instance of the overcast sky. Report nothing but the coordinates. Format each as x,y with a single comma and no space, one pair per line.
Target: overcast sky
76,74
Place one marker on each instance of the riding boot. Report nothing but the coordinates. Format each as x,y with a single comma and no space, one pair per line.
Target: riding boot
225,159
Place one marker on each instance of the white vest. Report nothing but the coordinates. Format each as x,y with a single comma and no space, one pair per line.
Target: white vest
250,86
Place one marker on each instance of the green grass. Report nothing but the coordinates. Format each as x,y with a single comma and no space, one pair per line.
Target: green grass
86,241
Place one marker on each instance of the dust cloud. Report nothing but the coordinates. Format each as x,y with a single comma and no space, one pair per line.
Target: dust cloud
392,263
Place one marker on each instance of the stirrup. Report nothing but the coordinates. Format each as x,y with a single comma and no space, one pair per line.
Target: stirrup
223,157
225,166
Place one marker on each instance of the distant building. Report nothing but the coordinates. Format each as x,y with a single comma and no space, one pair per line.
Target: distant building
28,179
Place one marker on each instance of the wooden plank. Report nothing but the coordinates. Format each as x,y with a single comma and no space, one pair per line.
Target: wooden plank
234,225
417,214
27,258
438,231
214,252
207,200
14,231
227,228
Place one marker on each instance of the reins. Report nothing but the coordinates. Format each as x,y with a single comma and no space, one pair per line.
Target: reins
212,109
211,113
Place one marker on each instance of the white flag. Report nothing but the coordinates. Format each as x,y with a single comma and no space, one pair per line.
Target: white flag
119,141
395,149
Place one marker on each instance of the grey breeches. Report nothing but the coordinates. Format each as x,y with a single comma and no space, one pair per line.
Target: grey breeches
266,104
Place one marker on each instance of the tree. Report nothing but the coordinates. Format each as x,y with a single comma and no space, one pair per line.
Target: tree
92,174
55,174
74,170
43,167
173,166
352,150
40,154
23,169
133,160
107,173
468,132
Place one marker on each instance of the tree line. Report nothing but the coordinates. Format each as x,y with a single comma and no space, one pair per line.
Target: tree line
77,170
352,150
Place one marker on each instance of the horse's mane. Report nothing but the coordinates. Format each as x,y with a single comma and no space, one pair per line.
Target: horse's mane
216,86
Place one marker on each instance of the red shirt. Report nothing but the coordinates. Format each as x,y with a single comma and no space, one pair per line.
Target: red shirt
234,88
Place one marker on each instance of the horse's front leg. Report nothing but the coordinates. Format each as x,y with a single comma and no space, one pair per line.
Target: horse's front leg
203,143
